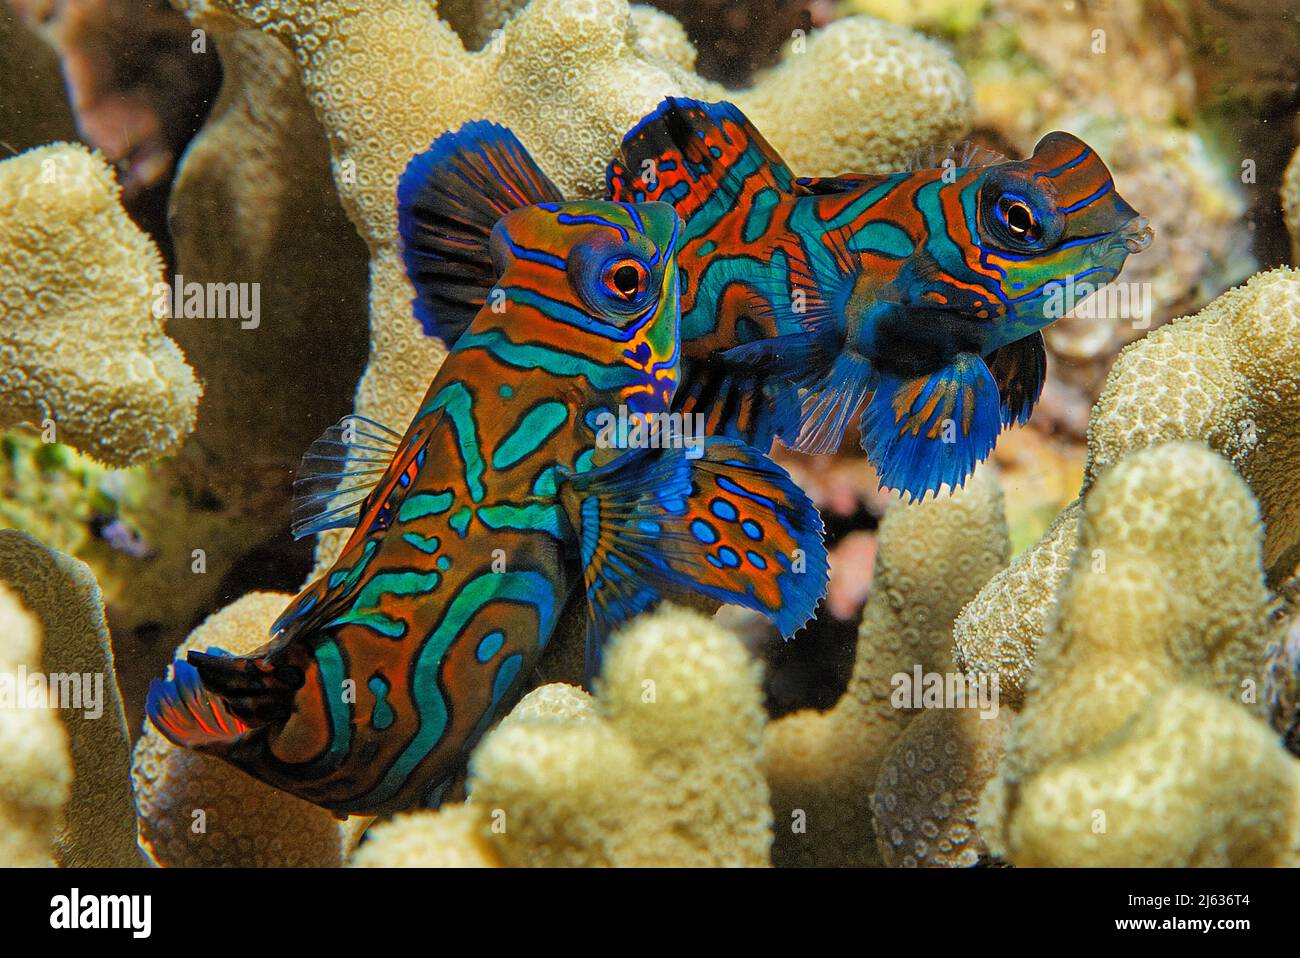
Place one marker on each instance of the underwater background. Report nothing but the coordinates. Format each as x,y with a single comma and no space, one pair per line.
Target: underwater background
1124,565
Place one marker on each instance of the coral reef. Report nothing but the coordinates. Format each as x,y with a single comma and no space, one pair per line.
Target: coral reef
1227,377
1148,683
662,766
400,76
926,798
197,810
35,767
822,766
80,343
60,593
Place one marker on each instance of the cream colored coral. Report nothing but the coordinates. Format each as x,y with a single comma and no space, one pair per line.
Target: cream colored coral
61,593
196,810
449,838
1229,377
1193,781
660,767
822,766
1165,593
79,341
35,767
998,631
869,95
927,794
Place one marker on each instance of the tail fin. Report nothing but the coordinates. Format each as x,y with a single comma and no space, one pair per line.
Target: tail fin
213,699
689,153
448,201
188,715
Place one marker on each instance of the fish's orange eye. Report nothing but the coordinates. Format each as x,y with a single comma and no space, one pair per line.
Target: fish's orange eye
626,278
1019,218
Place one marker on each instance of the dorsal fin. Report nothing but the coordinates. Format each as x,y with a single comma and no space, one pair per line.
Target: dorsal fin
688,152
965,155
448,200
844,183
338,472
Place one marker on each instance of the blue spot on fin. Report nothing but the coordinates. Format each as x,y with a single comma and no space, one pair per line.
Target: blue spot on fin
645,538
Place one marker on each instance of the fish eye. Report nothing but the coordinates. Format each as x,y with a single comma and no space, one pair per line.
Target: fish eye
626,278
1018,218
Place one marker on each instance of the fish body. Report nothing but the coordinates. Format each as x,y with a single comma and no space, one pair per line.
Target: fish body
498,501
912,302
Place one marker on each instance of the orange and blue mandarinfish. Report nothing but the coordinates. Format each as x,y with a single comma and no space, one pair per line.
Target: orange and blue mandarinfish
912,301
498,501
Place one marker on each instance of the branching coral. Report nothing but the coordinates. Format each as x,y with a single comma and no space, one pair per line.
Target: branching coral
1228,377
35,768
197,810
62,595
79,341
1164,608
660,767
822,766
998,632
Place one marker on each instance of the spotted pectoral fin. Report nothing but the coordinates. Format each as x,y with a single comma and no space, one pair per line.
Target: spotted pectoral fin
448,201
1020,369
717,520
689,153
338,472
921,432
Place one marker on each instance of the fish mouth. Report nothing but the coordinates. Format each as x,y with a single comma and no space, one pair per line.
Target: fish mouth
1137,234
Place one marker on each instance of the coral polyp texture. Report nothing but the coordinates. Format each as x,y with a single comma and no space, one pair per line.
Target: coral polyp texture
1142,654
81,345
1147,688
822,766
661,766
75,654
35,767
1228,377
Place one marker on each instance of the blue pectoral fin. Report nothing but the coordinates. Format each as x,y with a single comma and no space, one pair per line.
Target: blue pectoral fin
718,520
922,432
